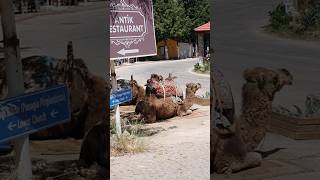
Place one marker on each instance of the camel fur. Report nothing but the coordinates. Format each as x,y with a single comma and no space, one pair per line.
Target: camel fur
154,109
232,150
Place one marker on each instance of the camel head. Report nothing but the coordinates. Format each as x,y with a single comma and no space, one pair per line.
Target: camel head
192,88
156,77
150,88
268,81
134,86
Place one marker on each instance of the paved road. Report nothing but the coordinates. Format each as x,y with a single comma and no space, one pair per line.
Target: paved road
240,43
180,68
49,35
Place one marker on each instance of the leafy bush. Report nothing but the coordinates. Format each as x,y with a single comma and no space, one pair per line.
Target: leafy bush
279,18
310,18
305,25
202,68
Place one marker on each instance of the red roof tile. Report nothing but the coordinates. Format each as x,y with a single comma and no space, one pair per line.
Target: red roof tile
204,27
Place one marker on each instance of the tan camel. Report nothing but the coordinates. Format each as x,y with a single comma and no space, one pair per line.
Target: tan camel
153,108
233,149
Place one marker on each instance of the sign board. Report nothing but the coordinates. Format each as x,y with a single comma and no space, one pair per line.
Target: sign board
121,96
132,31
32,112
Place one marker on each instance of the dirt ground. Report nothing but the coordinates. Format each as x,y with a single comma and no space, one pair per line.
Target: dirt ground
180,151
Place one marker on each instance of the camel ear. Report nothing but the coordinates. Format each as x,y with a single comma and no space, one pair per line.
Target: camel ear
188,85
199,85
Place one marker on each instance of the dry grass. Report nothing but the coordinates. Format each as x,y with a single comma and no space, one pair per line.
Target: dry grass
126,143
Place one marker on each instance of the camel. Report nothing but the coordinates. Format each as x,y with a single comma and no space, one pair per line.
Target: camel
153,108
42,72
138,92
233,149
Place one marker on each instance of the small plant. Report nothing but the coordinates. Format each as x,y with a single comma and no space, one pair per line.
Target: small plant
305,25
310,18
197,67
202,68
126,143
279,18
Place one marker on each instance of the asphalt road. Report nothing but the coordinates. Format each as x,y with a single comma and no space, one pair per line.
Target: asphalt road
240,43
179,68
49,35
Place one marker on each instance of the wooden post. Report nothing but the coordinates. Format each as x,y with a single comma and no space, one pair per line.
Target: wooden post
115,87
14,72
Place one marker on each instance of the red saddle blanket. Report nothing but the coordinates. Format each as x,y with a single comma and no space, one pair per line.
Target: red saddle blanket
169,87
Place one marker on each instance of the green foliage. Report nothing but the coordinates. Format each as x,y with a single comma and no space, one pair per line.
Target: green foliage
202,68
176,19
305,25
279,18
310,18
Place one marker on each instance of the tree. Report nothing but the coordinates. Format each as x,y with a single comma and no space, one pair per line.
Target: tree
198,12
171,20
176,19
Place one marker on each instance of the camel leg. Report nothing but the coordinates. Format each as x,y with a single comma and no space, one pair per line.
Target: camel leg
188,112
251,160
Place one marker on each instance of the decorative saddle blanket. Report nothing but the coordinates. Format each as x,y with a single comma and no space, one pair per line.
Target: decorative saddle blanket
170,88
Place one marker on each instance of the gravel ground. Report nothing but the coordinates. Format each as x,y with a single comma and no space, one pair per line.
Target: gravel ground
182,151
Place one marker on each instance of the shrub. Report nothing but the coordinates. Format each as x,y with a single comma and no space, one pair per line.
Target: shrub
279,19
310,18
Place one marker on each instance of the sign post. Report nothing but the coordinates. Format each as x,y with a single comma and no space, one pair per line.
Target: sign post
114,88
132,35
29,113
15,83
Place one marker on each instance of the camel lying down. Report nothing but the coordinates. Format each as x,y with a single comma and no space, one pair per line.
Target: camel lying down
233,149
153,108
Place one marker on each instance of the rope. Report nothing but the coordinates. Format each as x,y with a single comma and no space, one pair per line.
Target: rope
164,92
176,90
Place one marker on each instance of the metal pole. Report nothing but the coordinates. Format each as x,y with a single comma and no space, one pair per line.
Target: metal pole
15,84
115,87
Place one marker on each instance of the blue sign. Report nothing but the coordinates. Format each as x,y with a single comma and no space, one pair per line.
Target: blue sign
32,112
121,96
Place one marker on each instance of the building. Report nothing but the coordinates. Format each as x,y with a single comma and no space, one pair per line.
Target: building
203,39
172,49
